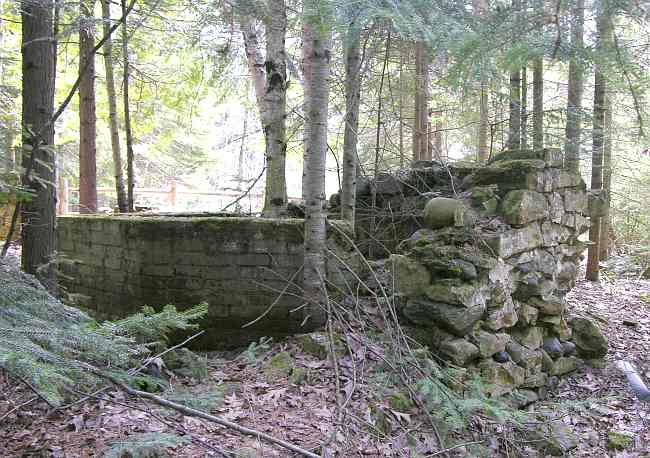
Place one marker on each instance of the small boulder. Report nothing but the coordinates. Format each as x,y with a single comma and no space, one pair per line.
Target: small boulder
442,212
502,378
315,344
522,398
503,317
569,348
530,338
501,357
589,339
619,440
553,347
278,367
456,292
548,305
527,315
523,356
560,439
409,277
489,343
521,207
459,351
455,319
564,365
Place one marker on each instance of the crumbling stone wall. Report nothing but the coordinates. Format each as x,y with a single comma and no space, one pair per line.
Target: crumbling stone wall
483,282
242,267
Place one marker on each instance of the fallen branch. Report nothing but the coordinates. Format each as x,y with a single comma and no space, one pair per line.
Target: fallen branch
29,401
197,413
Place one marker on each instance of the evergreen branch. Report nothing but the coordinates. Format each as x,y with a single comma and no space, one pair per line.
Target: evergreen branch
633,93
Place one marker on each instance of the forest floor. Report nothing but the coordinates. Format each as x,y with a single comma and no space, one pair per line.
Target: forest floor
592,400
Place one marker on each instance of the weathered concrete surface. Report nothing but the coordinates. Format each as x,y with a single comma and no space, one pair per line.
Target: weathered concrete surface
239,266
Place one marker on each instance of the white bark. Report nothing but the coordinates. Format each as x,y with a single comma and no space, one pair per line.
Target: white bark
314,186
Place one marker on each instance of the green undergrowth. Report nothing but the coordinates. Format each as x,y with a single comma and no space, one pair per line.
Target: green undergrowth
51,345
143,445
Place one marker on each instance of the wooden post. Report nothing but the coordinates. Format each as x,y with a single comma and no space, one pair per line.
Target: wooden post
172,194
62,198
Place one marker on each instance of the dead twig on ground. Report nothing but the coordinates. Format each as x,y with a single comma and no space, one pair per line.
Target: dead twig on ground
197,413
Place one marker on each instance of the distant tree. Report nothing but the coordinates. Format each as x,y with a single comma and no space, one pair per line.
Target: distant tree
604,30
421,150
480,11
38,78
605,221
575,89
130,160
87,110
538,103
514,118
122,200
351,137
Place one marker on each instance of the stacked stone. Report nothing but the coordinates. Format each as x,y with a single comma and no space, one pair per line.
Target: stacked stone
484,283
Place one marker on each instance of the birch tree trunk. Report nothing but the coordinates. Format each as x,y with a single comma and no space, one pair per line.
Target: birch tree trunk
306,50
38,78
350,136
255,61
87,114
122,201
575,90
275,102
315,199
130,166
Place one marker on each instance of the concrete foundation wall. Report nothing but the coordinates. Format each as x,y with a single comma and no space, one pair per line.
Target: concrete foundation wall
239,266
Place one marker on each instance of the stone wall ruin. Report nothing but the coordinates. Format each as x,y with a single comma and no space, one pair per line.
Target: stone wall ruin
479,260
483,281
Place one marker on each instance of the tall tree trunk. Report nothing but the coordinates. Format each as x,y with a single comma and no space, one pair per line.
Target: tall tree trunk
350,136
305,62
120,190
480,9
514,134
130,166
421,151
514,118
483,124
255,61
524,108
437,134
538,103
575,89
605,222
38,77
87,115
417,104
275,100
403,58
600,93
315,199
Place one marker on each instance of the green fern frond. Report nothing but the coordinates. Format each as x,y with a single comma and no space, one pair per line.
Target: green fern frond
145,445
